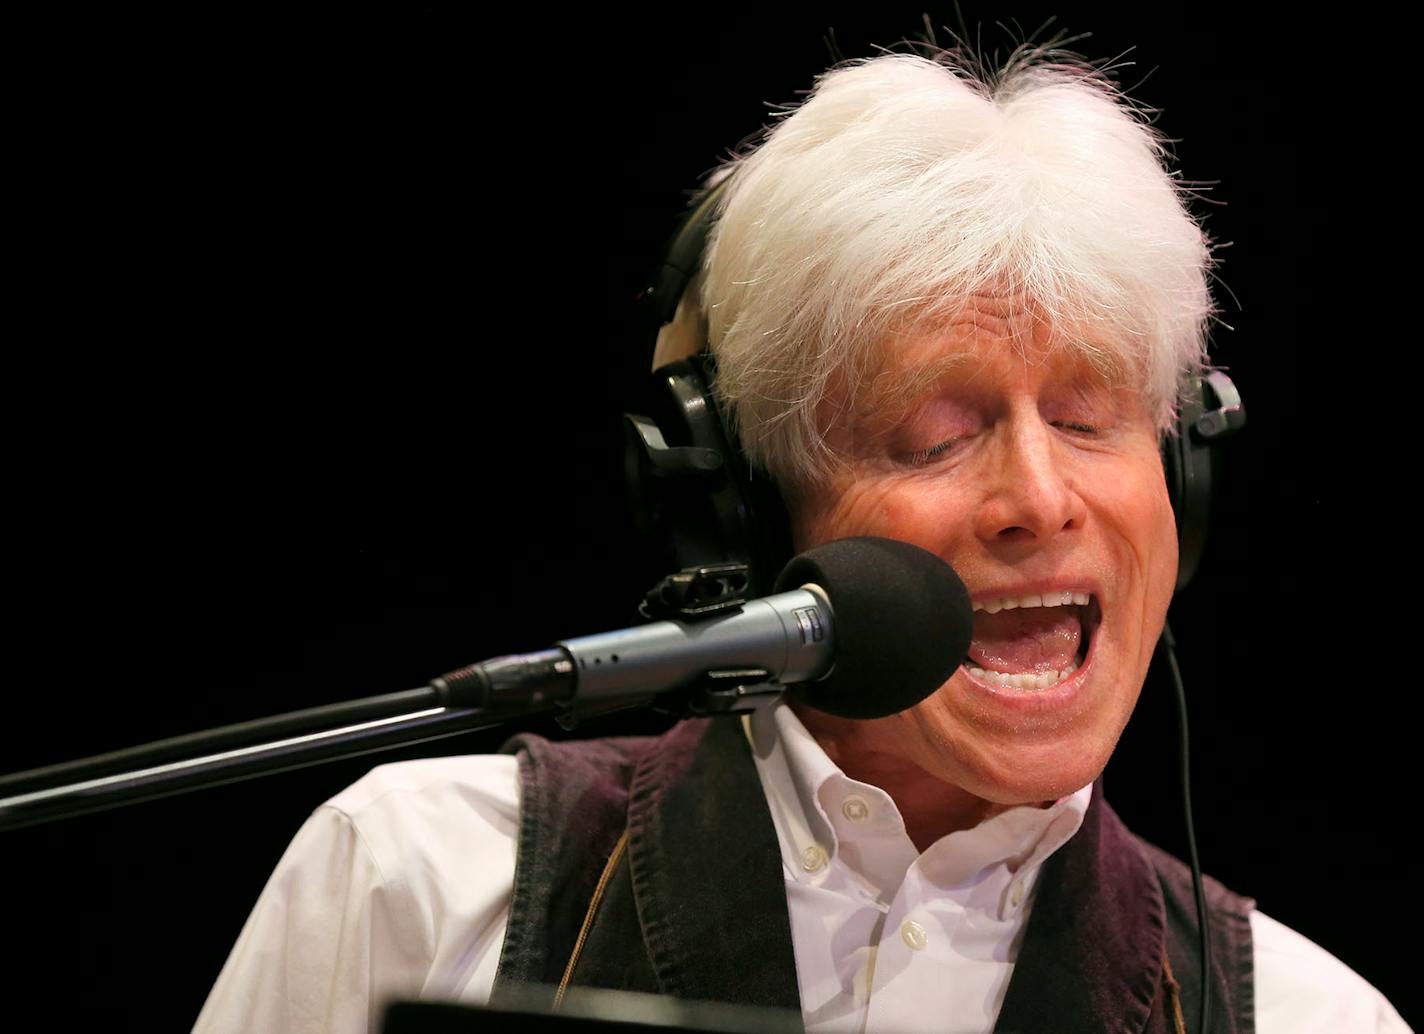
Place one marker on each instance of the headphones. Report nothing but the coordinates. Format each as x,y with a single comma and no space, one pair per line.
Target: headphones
694,493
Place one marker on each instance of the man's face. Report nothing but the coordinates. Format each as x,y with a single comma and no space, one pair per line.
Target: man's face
1024,470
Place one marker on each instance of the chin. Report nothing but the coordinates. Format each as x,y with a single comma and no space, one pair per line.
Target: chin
1035,759
1033,779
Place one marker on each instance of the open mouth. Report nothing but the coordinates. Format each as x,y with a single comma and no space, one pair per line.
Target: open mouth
1032,642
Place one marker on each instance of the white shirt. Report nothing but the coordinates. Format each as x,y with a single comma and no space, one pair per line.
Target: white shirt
887,938
399,887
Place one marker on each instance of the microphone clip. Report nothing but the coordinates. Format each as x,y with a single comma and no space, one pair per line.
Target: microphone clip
696,593
722,692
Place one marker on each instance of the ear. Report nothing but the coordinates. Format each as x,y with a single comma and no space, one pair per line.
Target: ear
686,333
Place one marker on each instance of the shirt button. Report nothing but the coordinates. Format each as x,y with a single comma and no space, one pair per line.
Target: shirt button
914,935
855,809
813,858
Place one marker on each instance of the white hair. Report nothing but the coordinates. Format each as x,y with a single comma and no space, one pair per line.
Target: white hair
904,185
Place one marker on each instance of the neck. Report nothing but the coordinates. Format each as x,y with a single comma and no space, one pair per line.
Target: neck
931,806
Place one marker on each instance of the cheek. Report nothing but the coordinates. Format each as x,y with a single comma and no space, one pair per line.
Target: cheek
1164,562
872,507
1159,541
1147,530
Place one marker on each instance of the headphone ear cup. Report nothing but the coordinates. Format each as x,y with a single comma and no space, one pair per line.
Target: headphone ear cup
1188,472
693,492
1212,411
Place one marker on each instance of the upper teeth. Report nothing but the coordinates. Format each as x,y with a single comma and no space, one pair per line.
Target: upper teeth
1047,599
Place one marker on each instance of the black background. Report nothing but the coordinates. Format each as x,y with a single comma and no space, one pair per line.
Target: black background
326,326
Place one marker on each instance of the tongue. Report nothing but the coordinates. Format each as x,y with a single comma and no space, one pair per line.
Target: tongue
1032,639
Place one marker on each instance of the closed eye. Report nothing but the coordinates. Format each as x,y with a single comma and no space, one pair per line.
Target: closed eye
925,455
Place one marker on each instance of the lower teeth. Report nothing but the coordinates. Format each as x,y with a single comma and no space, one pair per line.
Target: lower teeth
1026,680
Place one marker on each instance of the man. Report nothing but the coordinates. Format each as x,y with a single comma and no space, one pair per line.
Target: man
949,312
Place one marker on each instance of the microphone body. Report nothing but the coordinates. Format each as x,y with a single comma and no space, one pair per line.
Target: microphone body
789,636
785,639
862,628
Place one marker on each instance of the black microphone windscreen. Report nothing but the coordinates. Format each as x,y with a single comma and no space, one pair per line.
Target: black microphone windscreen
902,620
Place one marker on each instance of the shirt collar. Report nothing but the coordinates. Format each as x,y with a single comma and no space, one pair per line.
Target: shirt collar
812,803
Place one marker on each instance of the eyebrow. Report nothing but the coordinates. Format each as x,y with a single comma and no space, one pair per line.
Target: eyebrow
888,388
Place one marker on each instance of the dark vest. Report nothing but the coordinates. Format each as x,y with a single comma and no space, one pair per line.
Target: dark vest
695,905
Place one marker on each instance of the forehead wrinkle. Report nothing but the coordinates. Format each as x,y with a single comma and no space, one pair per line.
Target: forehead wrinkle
968,335
1000,313
897,387
985,321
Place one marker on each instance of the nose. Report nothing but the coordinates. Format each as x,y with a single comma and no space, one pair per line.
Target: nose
1029,492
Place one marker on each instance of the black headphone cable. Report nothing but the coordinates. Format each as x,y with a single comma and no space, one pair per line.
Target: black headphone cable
1168,645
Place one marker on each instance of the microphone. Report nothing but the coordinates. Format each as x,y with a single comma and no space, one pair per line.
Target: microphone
859,628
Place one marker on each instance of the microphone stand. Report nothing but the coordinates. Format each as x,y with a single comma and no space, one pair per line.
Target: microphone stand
476,697
151,771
